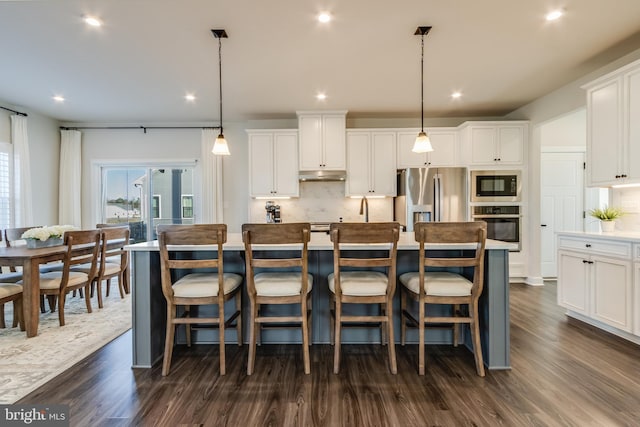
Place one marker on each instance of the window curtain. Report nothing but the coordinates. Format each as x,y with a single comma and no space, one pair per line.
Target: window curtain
70,211
211,179
22,207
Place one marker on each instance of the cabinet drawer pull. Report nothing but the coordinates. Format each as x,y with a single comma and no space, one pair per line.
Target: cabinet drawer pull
584,261
588,245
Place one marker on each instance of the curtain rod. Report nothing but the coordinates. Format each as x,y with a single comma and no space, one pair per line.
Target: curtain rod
144,128
14,111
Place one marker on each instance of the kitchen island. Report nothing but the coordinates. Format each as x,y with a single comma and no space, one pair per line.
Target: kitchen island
149,305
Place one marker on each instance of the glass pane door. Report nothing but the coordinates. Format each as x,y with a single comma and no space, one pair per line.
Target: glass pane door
146,197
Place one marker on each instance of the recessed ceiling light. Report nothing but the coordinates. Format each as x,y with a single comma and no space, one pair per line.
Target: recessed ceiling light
456,95
190,97
552,16
321,96
92,21
324,17
58,98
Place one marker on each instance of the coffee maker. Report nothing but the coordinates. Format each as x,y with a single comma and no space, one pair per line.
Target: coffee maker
273,213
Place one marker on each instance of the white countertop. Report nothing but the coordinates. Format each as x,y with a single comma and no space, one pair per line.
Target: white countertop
624,236
321,241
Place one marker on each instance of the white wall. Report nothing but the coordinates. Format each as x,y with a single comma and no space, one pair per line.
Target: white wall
160,146
44,148
569,130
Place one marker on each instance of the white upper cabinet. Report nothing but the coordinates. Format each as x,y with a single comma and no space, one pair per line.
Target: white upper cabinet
322,140
494,143
273,163
445,149
613,128
371,163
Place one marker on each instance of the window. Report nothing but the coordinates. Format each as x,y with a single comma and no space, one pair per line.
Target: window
144,197
187,206
155,206
6,199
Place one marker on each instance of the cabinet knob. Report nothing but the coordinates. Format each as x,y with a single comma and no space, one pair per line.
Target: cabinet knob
499,159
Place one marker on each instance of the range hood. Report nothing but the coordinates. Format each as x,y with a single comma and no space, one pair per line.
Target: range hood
322,175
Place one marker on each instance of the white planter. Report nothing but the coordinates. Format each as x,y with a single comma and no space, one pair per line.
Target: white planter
37,243
607,226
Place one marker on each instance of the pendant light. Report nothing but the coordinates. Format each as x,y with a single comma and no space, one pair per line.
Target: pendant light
422,144
220,147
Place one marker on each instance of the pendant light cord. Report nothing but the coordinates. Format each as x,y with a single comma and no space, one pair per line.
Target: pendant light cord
220,78
421,85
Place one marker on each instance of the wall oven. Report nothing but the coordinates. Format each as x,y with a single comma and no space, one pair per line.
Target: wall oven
496,186
503,223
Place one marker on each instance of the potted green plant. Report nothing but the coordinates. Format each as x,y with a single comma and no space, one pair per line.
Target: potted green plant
607,216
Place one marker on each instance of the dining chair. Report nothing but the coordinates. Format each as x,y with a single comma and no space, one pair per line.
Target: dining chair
366,280
436,286
12,238
278,277
113,261
125,275
12,292
189,281
82,248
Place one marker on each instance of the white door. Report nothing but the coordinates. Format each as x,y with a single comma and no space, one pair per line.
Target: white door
561,202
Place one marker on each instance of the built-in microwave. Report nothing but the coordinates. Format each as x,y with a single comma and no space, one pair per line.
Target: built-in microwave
495,186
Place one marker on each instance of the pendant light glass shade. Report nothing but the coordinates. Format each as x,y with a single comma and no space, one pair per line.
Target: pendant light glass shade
220,147
422,144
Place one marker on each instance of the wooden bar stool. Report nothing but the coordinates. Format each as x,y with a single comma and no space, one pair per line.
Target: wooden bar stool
364,285
281,287
444,287
197,287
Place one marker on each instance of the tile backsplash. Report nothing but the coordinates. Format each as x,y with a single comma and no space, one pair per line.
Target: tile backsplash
323,202
629,200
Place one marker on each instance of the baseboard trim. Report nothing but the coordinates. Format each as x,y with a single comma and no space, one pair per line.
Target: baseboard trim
534,281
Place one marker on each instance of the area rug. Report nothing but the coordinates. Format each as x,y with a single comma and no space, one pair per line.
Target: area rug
28,363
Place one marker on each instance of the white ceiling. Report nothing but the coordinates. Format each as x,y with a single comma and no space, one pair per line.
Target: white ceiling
137,68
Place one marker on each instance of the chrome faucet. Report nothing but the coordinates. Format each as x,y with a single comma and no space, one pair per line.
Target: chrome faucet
364,203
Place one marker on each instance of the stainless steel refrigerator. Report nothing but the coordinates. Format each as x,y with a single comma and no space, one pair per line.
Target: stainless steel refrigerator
431,194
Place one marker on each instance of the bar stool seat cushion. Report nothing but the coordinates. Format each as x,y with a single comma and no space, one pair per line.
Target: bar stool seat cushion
197,285
281,284
360,283
9,289
52,279
438,283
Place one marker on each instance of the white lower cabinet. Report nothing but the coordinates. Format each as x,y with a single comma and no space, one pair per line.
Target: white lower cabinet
573,282
611,292
596,284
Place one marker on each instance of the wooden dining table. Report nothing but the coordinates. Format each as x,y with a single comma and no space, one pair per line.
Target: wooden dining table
30,261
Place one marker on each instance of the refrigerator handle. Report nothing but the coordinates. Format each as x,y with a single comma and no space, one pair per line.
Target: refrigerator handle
437,198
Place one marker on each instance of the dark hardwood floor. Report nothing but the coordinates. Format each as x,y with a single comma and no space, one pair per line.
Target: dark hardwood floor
565,373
